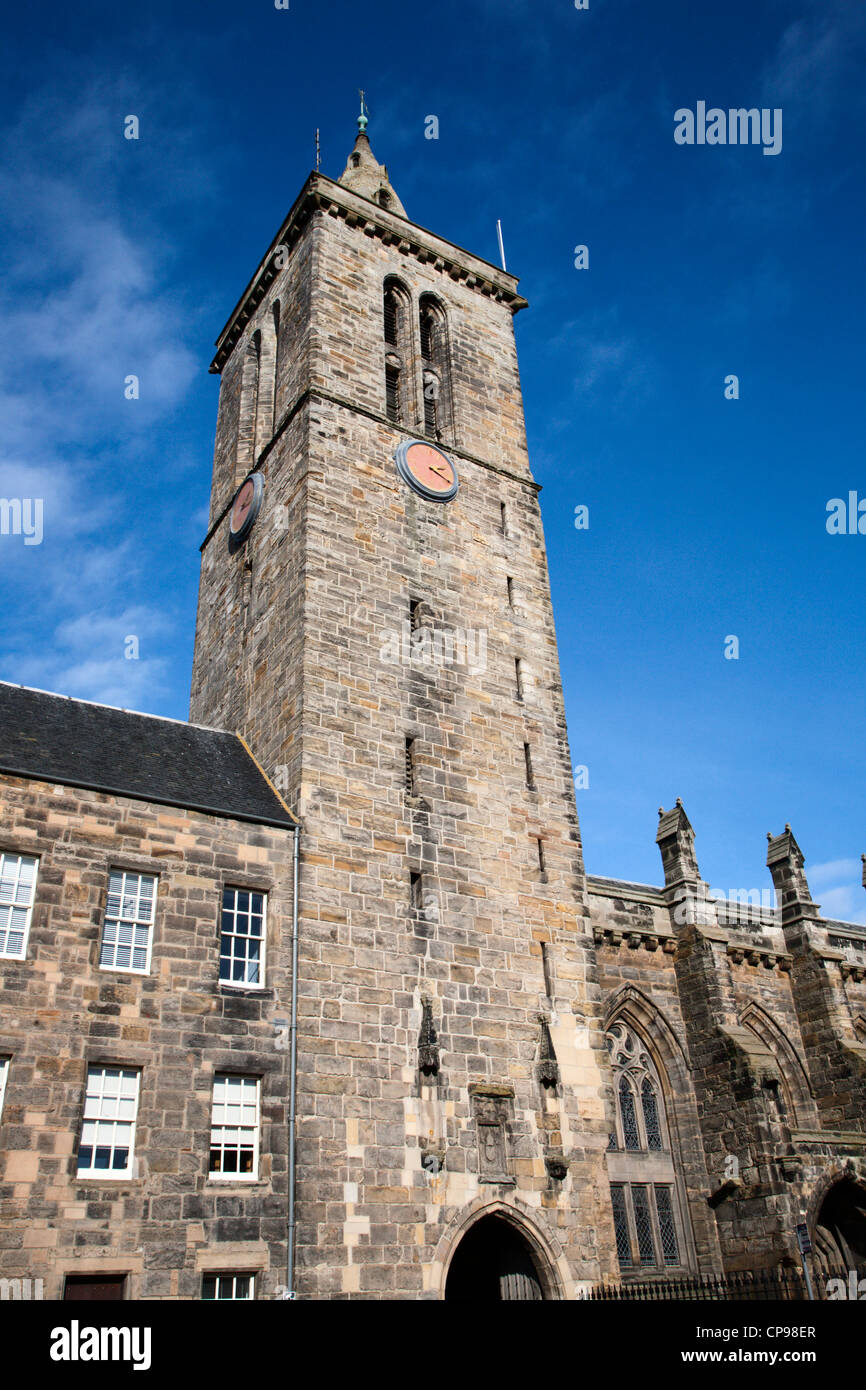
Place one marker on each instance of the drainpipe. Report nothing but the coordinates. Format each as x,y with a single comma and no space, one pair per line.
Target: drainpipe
293,1068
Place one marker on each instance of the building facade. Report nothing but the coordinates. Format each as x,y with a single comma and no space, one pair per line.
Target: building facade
377,1031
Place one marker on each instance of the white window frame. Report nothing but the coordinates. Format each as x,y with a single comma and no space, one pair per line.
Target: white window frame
98,1113
4,1077
222,1126
233,935
137,921
6,906
234,1297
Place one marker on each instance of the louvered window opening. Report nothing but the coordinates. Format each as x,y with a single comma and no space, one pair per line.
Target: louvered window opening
392,393
430,412
391,319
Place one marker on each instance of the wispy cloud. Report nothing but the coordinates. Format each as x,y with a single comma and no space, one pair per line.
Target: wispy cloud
111,657
88,298
819,60
836,884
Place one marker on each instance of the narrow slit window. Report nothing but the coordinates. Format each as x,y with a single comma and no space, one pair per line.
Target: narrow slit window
503,518
410,766
509,584
416,891
547,969
518,675
540,843
527,757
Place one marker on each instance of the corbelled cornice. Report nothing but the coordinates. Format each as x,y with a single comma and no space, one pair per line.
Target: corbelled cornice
321,194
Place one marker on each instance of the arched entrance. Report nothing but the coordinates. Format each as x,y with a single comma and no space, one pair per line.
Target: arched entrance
840,1229
494,1263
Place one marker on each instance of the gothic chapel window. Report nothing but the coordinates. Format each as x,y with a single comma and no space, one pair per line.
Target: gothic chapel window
644,1183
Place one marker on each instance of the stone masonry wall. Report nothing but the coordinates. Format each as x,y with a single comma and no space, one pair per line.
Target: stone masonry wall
59,1012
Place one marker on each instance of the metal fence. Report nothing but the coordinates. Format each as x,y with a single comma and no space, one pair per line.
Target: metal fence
752,1286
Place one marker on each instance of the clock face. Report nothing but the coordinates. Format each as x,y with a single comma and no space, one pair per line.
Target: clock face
428,470
245,508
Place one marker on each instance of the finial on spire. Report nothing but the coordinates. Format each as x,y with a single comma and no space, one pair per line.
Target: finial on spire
365,114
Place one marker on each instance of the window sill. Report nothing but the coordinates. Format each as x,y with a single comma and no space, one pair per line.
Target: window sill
245,991
234,1180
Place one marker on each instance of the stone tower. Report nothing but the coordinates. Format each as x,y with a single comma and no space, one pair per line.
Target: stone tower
385,645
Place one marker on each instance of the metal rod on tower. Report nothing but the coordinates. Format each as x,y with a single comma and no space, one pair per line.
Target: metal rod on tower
318,152
501,243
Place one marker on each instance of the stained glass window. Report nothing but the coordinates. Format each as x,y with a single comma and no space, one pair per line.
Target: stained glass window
650,1115
667,1228
620,1222
643,1225
631,1138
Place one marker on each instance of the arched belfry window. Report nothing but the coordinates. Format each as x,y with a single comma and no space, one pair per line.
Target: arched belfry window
645,1188
436,368
398,352
248,408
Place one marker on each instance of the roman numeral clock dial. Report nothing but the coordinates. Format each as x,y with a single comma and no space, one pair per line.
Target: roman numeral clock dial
427,470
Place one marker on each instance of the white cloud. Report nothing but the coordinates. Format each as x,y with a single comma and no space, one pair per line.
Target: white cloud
836,884
86,657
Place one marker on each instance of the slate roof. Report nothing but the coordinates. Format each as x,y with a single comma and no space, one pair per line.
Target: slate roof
56,739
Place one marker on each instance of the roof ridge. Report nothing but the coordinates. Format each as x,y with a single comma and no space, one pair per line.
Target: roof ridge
122,709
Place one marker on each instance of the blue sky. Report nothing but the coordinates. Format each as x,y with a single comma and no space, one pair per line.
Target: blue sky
707,515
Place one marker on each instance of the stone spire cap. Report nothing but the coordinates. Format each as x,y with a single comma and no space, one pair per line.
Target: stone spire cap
673,822
784,846
676,841
364,175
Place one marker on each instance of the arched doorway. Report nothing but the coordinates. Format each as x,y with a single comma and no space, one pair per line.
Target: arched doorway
494,1263
840,1229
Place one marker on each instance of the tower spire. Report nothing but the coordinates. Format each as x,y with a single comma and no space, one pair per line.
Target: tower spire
364,174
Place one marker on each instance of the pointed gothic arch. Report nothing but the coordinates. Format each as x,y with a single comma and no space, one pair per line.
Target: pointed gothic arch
798,1099
836,1217
651,1085
486,1226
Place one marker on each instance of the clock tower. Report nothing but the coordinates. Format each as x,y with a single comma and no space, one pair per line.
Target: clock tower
375,620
